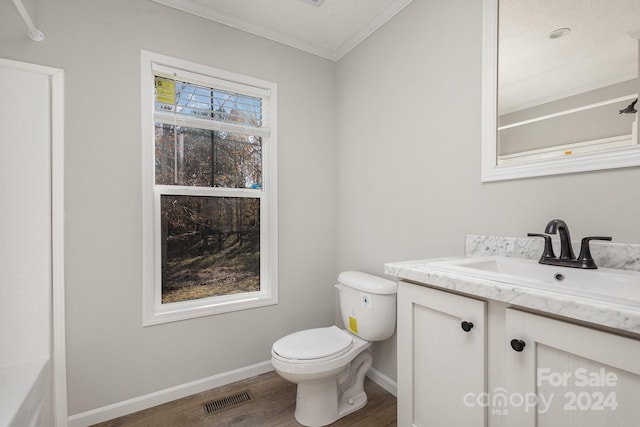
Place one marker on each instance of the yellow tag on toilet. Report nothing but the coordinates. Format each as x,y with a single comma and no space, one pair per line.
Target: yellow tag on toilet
353,324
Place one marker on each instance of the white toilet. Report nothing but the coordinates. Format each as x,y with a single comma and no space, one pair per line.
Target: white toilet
329,364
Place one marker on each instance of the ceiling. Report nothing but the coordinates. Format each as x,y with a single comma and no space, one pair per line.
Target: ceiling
330,29
601,49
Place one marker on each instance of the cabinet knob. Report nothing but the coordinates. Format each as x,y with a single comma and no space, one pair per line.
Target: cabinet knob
466,326
517,345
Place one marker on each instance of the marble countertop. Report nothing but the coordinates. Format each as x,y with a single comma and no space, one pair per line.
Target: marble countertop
621,316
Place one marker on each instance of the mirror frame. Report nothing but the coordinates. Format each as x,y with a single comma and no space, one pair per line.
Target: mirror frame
491,171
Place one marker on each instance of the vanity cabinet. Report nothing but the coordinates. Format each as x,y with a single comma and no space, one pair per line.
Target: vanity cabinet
577,375
512,369
439,362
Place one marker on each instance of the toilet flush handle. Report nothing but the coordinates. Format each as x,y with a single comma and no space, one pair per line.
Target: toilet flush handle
338,286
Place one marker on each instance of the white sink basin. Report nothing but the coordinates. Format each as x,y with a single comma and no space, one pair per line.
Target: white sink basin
604,284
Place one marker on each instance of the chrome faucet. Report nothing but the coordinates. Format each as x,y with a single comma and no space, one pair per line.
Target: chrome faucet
567,257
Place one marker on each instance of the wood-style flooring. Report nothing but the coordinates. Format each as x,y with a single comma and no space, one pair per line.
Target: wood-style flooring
272,404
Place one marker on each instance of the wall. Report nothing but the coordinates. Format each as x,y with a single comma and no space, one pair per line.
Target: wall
409,104
111,357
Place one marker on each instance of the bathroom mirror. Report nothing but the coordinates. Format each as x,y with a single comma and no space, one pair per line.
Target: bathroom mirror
555,77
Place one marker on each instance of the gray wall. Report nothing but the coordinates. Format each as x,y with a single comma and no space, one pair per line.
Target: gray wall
111,357
409,102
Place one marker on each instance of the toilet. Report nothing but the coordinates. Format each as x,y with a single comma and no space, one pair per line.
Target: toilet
329,364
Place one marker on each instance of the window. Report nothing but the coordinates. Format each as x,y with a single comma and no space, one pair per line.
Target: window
209,190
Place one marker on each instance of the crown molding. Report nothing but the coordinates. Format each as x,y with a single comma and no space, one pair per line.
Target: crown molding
189,6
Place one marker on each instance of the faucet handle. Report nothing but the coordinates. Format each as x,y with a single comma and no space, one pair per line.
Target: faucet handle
548,247
585,257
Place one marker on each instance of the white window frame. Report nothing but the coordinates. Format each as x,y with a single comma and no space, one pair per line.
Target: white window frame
154,312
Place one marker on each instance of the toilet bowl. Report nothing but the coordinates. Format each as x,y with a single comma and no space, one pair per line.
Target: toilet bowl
330,377
329,364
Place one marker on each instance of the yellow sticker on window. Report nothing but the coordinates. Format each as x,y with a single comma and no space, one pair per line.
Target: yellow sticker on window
165,90
353,324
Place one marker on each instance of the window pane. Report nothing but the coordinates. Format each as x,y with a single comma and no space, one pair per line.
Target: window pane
205,158
204,102
237,160
210,247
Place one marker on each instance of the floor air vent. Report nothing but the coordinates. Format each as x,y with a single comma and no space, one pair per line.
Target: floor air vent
227,402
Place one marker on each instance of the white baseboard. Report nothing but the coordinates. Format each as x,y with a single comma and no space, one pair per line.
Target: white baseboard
383,381
140,403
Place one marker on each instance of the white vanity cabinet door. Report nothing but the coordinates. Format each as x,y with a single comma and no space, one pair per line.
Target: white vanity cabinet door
441,368
577,375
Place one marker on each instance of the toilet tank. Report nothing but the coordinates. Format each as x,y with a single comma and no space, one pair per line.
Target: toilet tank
368,305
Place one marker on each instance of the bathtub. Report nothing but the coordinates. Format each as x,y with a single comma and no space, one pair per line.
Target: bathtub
25,394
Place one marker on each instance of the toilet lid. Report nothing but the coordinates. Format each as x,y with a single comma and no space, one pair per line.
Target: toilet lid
313,343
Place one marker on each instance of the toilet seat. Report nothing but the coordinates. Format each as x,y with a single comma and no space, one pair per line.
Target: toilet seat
314,344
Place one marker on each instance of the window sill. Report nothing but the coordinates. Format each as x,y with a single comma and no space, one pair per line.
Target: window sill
177,311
